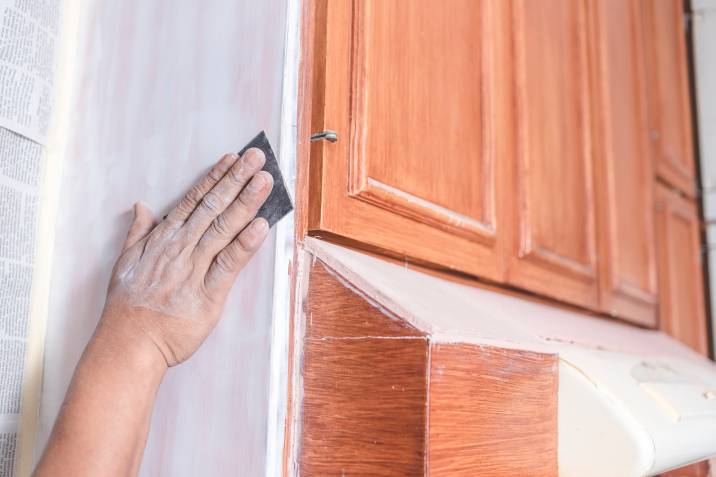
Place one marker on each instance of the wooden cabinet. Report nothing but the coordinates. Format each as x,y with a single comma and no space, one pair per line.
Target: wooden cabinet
681,290
508,140
411,90
553,244
625,178
668,86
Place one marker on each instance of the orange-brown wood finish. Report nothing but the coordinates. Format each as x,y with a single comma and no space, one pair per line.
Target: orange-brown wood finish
682,308
553,244
624,172
486,412
415,167
700,469
364,386
670,109
380,398
522,158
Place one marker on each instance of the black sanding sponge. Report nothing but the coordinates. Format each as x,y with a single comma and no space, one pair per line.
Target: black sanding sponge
278,204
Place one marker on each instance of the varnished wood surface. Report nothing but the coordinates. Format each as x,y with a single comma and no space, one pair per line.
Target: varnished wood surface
342,313
553,245
381,400
682,311
405,183
624,172
493,412
570,95
668,86
364,397
700,469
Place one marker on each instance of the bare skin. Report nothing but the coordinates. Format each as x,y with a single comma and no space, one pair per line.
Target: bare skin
166,295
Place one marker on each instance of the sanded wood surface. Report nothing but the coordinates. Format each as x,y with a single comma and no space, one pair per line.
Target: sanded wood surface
493,412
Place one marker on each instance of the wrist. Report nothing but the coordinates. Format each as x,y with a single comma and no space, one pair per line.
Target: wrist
120,335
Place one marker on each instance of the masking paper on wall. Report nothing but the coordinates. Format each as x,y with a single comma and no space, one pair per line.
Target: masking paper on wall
28,34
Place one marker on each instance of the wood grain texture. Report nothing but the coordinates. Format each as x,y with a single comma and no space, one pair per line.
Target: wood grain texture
364,397
624,172
682,308
553,244
350,315
364,407
493,412
412,171
700,469
379,399
669,93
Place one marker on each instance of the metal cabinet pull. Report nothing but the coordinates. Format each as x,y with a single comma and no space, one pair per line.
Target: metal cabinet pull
328,135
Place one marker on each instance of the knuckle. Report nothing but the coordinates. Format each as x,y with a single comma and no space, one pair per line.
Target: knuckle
217,172
222,227
194,195
212,203
228,259
173,249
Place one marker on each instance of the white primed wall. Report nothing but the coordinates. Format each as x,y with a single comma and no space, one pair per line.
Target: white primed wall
165,87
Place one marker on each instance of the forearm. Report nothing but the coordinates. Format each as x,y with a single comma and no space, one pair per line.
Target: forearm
103,423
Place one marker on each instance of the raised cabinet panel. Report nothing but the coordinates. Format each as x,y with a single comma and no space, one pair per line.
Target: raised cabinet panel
553,226
624,170
669,105
410,90
422,115
682,312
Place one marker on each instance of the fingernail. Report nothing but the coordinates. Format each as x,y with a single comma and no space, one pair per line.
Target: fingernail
254,158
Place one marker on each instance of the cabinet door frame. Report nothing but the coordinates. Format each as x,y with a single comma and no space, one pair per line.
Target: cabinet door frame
679,172
345,204
635,302
691,329
530,265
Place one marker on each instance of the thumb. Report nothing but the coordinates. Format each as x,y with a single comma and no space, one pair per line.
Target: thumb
142,224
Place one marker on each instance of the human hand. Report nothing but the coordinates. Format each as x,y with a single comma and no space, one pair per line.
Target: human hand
171,280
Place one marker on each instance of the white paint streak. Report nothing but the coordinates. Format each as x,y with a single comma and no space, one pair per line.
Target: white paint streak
280,324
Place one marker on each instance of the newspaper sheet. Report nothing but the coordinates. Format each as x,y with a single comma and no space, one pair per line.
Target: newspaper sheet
28,34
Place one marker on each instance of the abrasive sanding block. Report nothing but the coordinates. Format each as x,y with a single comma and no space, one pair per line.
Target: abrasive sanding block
278,204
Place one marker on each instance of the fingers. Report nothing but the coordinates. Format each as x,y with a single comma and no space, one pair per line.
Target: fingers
223,193
191,200
142,224
229,262
229,223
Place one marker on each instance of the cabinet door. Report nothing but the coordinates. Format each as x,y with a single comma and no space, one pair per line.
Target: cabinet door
682,312
624,175
410,89
553,245
669,104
